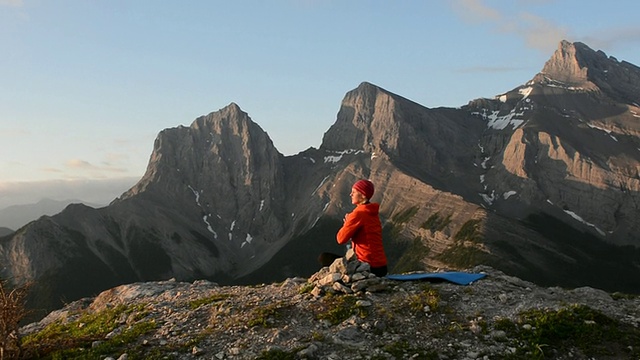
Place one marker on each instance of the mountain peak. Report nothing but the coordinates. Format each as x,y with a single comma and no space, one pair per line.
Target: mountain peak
569,64
367,118
576,65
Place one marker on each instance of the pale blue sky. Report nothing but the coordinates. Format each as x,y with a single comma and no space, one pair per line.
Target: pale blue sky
86,85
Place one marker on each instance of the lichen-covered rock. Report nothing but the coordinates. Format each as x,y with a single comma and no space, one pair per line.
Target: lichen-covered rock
347,275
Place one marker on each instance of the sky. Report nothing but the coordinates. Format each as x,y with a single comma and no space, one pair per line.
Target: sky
86,85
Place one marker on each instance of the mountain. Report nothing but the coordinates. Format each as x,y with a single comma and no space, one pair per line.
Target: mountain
5,231
16,216
541,182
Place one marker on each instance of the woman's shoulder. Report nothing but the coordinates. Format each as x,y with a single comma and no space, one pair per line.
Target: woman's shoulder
368,208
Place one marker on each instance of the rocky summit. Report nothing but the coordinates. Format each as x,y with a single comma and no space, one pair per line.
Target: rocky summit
342,312
541,182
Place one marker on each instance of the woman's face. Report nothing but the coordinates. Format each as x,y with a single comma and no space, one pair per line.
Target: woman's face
357,197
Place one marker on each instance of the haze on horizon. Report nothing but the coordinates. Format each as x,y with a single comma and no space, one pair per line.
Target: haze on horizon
87,86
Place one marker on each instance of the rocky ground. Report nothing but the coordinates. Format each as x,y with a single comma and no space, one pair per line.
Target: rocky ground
314,318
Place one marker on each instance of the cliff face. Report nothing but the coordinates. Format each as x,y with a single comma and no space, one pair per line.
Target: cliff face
570,138
575,65
541,182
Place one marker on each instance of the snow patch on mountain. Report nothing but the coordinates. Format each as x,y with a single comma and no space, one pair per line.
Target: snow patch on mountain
321,182
205,218
603,129
509,194
559,84
489,198
339,155
580,219
247,241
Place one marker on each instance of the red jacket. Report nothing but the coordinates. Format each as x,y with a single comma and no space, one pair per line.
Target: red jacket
363,228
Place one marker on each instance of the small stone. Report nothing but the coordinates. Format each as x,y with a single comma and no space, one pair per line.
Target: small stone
330,279
503,298
308,352
339,265
341,288
357,277
362,267
378,287
317,291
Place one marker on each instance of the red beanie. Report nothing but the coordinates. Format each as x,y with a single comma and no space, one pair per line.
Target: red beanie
365,187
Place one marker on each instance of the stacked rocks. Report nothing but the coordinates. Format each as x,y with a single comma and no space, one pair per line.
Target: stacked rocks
346,275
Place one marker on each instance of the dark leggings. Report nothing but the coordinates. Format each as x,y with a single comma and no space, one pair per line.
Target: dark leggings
326,259
379,271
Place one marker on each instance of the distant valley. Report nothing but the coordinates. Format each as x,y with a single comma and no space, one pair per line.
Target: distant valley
15,216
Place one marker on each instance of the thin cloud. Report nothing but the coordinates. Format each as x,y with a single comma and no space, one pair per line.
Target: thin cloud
109,167
52,170
13,132
489,69
114,158
613,38
536,32
11,3
539,33
79,164
82,169
474,11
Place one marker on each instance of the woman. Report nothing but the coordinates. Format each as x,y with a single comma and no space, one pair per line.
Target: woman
363,228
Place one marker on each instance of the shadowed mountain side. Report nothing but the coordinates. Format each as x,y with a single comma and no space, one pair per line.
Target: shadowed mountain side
5,231
576,162
16,216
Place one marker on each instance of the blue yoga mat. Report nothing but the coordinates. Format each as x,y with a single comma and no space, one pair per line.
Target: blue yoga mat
460,278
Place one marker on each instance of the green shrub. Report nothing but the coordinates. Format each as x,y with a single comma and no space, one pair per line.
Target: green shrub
276,354
12,311
340,308
436,223
464,257
405,215
73,339
403,350
411,259
577,326
265,316
194,304
469,231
